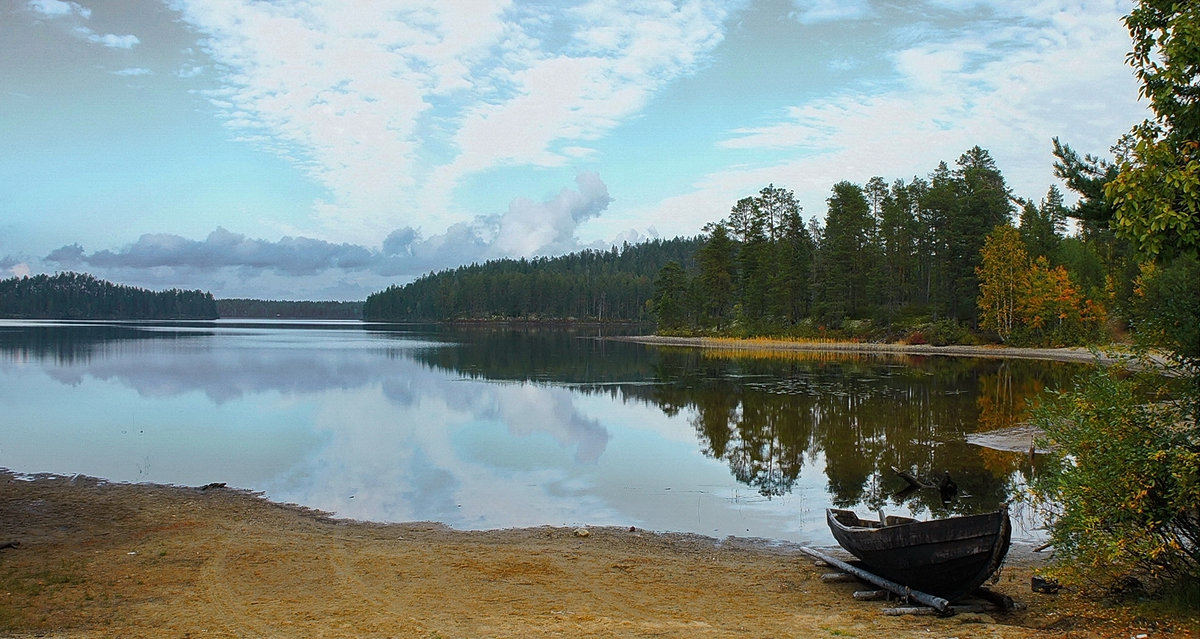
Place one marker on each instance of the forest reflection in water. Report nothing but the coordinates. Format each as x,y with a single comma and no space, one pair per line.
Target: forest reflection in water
769,413
376,422
862,416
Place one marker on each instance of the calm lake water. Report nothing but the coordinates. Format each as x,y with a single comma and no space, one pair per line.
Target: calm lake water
495,428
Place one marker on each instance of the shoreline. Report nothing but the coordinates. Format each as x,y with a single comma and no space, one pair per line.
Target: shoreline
1073,354
95,559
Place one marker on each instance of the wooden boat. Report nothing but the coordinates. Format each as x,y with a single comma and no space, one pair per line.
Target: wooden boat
948,558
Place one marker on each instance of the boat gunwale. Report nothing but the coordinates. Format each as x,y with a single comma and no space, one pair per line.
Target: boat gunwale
990,556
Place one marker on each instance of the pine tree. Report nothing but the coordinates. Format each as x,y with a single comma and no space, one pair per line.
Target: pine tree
848,253
715,260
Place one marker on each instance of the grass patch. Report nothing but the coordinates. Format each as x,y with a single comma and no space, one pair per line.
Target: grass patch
35,582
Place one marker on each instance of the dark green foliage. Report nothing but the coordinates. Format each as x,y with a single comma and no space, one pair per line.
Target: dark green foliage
794,262
237,307
888,255
81,296
1087,177
1166,60
672,306
715,260
849,253
1043,226
611,285
983,202
1156,192
1168,311
1084,263
899,273
1094,214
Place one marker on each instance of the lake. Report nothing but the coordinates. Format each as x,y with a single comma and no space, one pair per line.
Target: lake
501,427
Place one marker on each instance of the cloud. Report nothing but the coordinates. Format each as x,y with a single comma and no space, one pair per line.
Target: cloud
526,229
1006,83
619,55
70,256
110,40
289,255
133,72
393,105
189,71
14,267
74,12
548,227
57,9
820,11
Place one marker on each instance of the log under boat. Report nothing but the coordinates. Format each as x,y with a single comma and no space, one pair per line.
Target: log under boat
949,557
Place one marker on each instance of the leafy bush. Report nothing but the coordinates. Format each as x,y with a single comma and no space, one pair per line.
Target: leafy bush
1167,307
944,332
1122,494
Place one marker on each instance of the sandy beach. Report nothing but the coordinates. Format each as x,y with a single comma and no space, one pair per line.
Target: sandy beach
98,559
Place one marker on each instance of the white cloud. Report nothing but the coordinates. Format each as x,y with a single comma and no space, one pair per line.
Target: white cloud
818,11
342,93
56,8
133,71
189,71
390,106
1009,87
548,228
616,59
110,40
73,12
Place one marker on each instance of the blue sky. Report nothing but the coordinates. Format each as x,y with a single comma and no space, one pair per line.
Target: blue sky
324,149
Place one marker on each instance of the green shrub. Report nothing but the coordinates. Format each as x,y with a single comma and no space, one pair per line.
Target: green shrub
944,332
1122,493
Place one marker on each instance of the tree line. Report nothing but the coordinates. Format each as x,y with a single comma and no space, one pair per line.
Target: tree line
612,285
83,296
894,256
899,260
242,307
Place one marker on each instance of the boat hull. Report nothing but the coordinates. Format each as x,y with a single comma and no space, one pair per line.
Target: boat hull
948,558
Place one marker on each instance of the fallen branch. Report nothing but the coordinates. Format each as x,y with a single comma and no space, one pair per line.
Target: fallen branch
912,480
921,610
942,606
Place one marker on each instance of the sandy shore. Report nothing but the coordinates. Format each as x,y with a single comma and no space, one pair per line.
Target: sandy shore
1072,354
96,559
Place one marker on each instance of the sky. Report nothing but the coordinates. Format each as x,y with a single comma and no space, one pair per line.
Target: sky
326,149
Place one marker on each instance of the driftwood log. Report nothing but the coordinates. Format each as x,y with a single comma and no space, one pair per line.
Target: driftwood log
919,610
942,606
913,482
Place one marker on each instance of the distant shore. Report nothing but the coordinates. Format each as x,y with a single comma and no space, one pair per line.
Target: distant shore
1099,355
